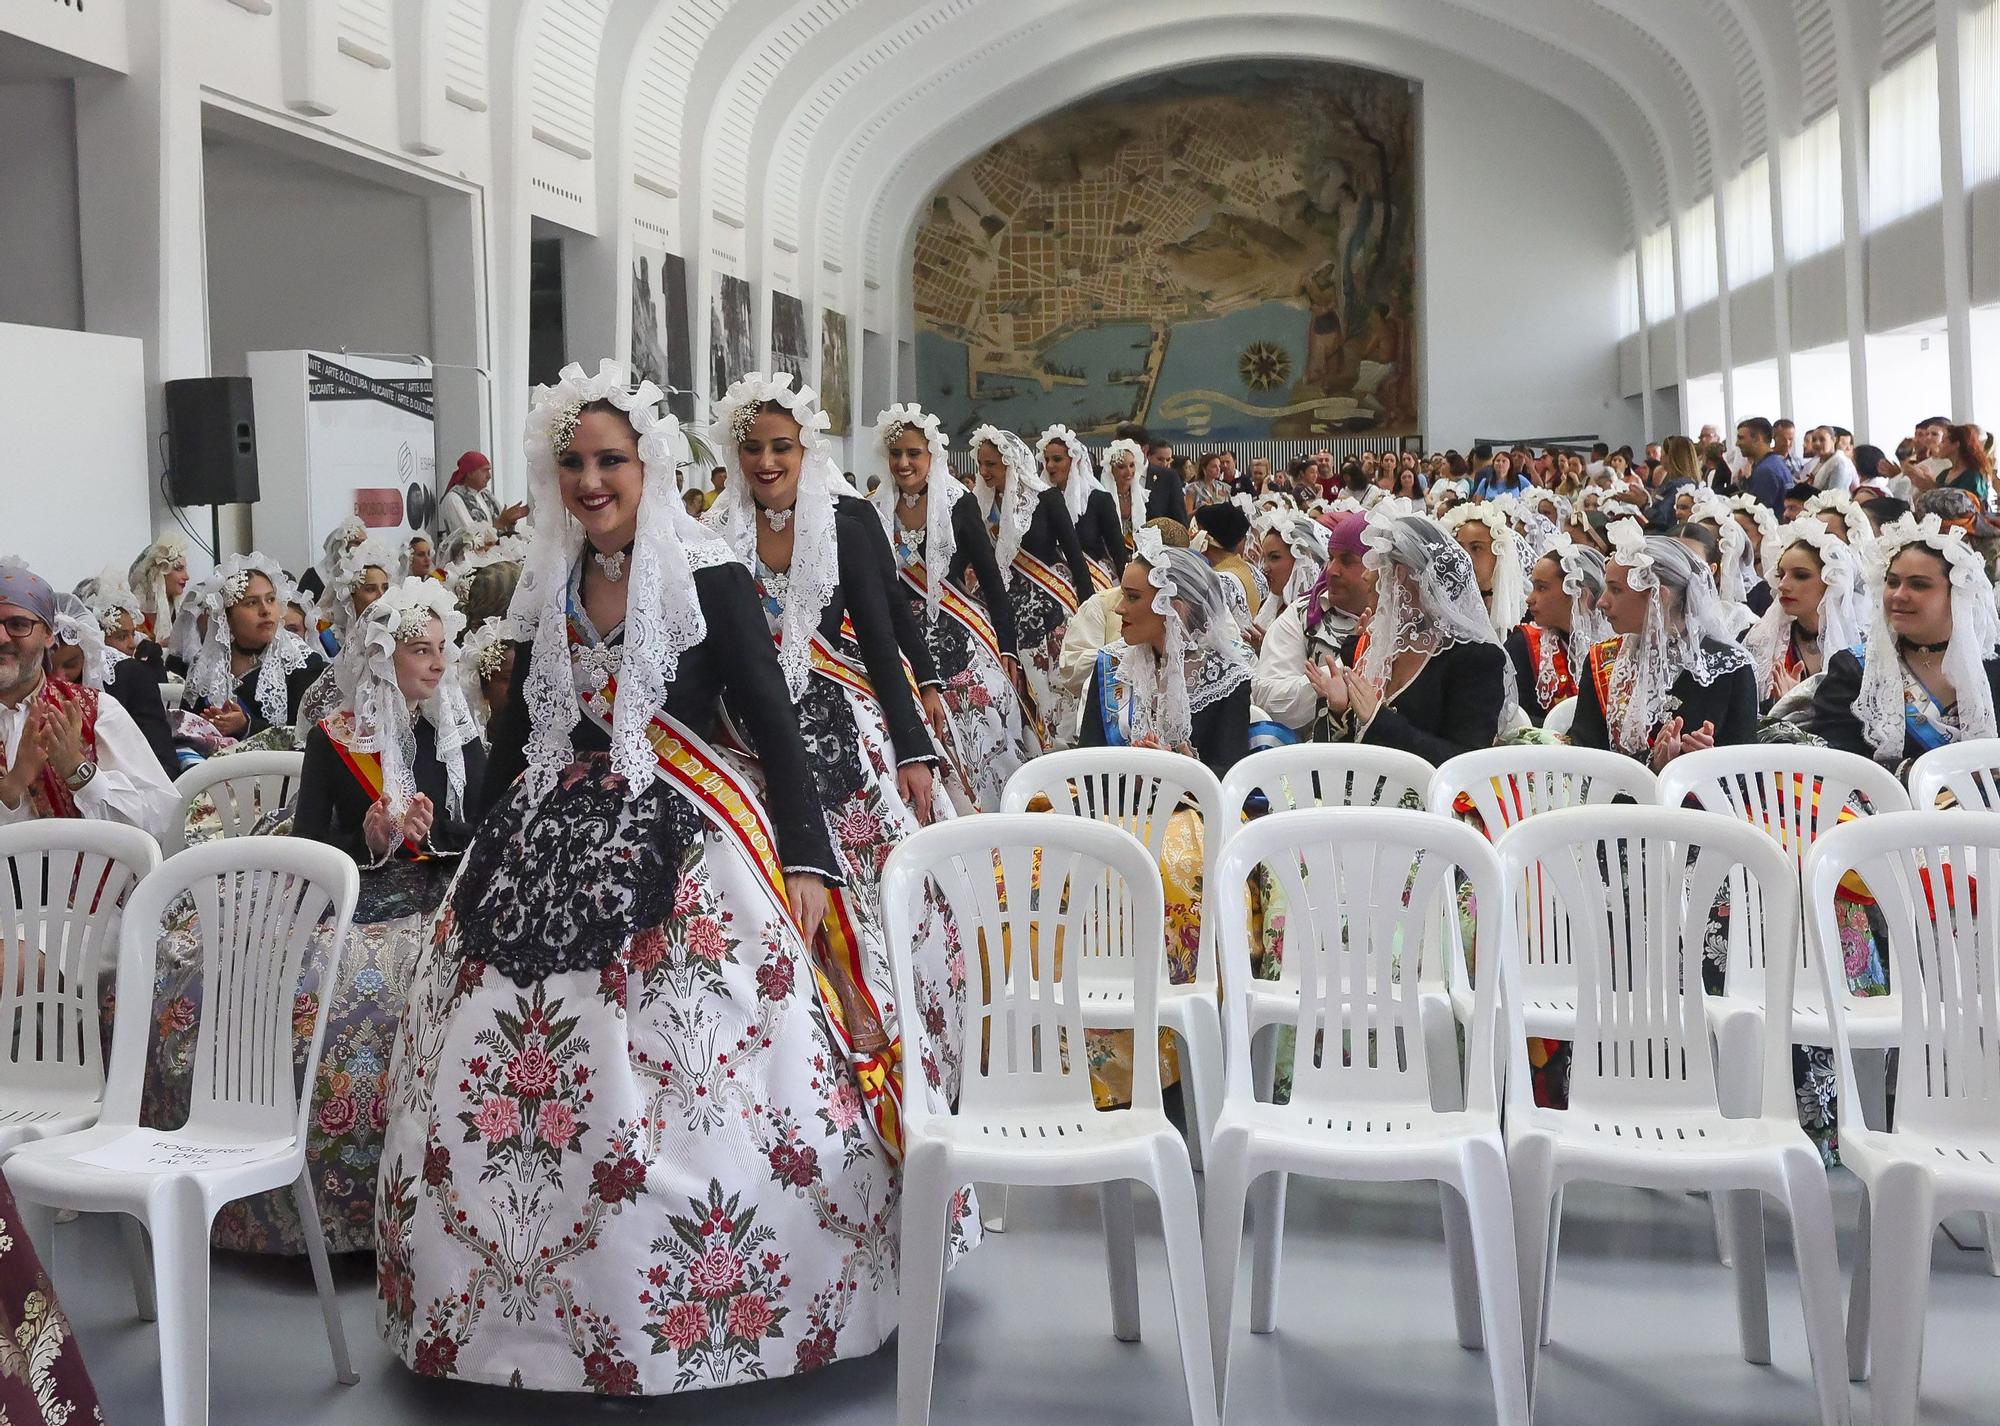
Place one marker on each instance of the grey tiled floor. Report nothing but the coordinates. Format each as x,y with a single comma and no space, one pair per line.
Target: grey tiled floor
1644,1334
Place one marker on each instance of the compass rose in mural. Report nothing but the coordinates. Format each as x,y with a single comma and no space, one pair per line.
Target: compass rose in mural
1264,366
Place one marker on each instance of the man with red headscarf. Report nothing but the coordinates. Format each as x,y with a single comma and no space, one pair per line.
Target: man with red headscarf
468,499
64,751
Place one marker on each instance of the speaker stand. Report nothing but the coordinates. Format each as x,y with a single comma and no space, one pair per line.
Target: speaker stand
215,531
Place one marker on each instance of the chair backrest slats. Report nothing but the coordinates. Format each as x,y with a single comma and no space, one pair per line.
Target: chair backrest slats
1030,896
243,788
1969,771
63,886
1309,775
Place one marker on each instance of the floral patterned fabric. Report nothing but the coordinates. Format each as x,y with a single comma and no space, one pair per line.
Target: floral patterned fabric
1039,625
42,1377
657,1176
370,983
1109,1052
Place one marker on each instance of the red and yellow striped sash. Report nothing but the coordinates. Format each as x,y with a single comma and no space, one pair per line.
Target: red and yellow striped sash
1047,580
367,770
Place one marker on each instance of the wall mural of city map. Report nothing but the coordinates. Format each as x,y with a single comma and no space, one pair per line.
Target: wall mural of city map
1227,252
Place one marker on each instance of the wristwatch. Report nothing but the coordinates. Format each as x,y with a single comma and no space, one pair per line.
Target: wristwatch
80,779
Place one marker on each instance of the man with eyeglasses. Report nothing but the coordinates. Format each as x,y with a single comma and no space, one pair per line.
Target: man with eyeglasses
65,751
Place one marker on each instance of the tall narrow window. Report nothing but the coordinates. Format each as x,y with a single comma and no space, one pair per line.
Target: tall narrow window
1809,164
1904,174
1698,252
1982,93
1747,219
1657,255
1628,292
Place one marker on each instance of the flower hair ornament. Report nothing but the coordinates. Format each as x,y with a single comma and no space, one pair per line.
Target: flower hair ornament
1016,502
1124,446
376,718
1881,703
207,651
1583,581
1082,475
942,487
1692,636
1202,659
1507,601
343,537
114,605
77,626
480,657
663,617
1840,608
815,569
148,578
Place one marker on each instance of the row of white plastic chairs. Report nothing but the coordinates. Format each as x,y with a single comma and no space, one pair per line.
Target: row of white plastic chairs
70,1136
1362,886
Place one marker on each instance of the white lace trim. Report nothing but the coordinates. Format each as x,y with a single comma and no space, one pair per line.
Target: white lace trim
383,722
1426,598
1509,604
1082,475
663,617
1840,624
815,569
1684,633
208,677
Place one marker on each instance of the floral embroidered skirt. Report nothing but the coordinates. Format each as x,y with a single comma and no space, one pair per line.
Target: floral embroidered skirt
1039,625
42,1377
658,1175
989,739
369,981
1110,1052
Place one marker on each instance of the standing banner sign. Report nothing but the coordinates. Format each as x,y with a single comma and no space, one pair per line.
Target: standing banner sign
343,435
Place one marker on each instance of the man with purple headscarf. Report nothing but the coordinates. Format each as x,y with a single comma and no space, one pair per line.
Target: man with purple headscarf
1313,627
64,751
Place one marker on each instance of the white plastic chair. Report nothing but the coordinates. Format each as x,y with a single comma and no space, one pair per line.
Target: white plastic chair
63,886
1792,794
172,691
1363,887
244,786
1033,896
1933,875
1310,775
1635,885
1558,720
1969,771
1139,790
258,901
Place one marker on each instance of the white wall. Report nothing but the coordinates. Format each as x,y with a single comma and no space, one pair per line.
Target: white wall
41,268
1520,313
300,256
73,486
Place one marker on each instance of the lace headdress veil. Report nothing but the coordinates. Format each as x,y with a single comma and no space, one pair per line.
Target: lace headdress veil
940,543
382,720
815,571
1425,593
1975,634
1509,604
1200,631
1583,581
1082,475
663,617
1685,632
1840,611
206,651
1017,501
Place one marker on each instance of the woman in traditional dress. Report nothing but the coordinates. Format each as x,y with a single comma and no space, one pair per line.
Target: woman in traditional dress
1564,625
1927,674
1817,612
1426,673
1754,518
1485,531
1066,467
1674,679
247,674
1042,568
159,576
631,1144
384,780
361,575
934,528
1124,459
1291,551
1178,677
486,669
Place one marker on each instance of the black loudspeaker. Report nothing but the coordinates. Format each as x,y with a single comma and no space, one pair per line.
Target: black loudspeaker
211,441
